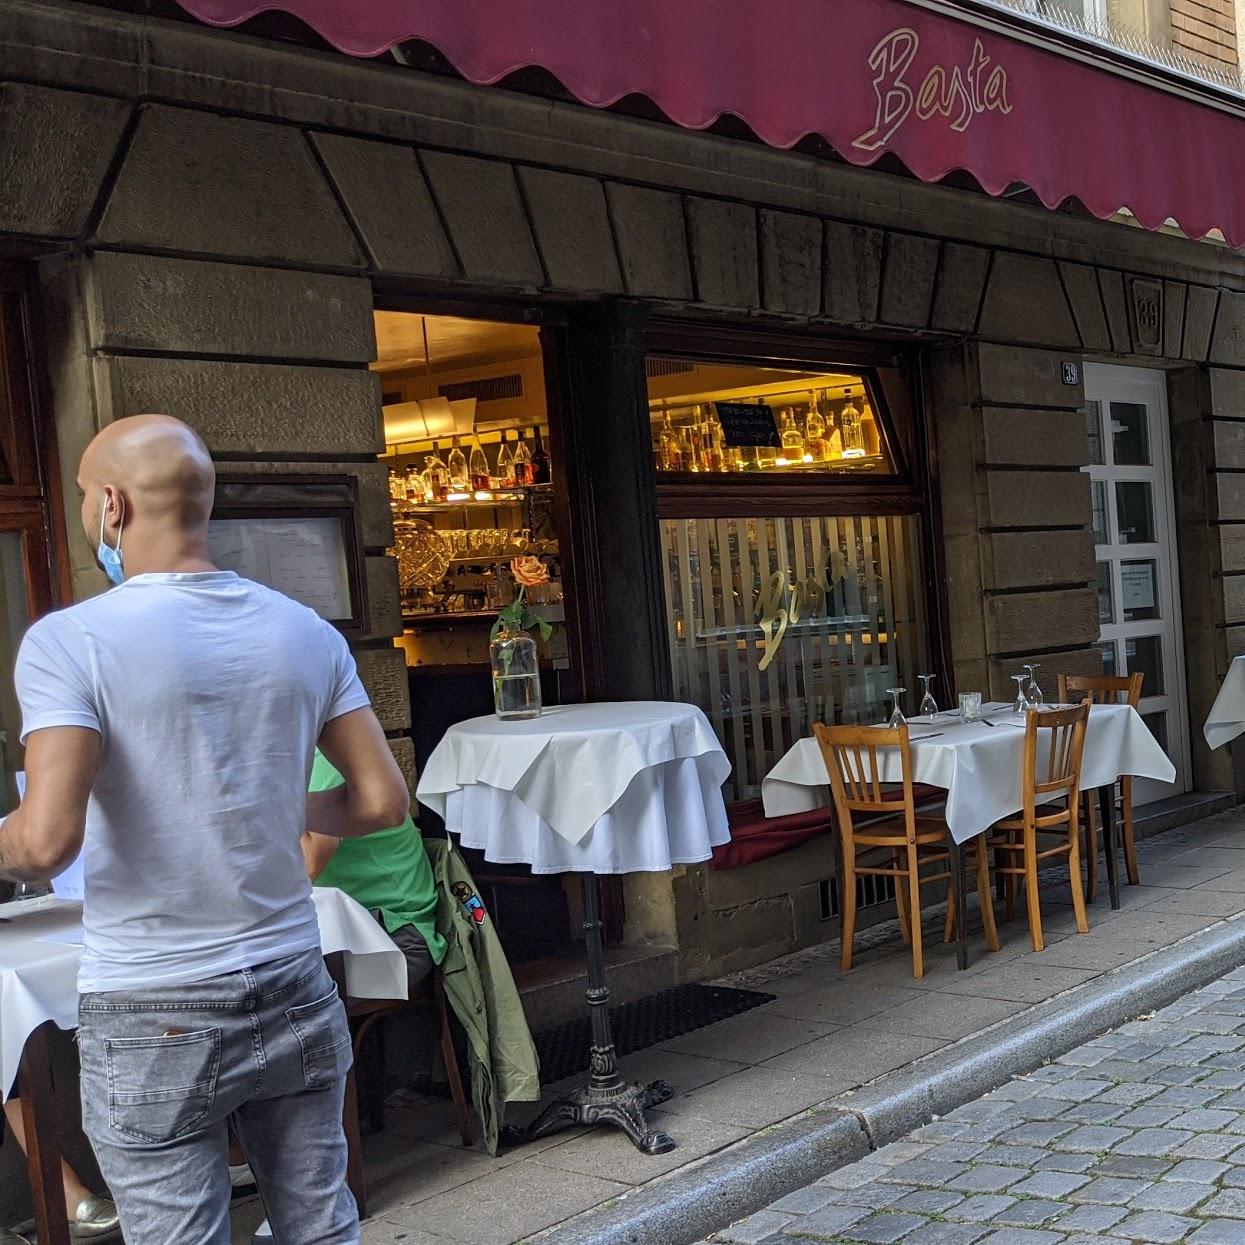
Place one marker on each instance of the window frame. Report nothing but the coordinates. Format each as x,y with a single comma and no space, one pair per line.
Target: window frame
899,373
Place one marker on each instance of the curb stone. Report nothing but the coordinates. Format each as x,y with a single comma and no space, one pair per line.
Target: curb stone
745,1177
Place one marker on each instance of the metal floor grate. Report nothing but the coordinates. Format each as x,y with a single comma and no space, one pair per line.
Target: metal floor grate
645,1022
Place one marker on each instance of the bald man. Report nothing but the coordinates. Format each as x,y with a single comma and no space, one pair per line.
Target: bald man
170,726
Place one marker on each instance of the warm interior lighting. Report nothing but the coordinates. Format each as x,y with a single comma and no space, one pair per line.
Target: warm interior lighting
429,418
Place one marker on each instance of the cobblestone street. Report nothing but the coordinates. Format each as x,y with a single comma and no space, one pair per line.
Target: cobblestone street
1138,1135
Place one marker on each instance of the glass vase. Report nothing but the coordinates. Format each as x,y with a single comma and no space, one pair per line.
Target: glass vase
516,675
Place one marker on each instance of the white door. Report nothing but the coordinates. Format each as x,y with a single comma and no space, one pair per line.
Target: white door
1135,535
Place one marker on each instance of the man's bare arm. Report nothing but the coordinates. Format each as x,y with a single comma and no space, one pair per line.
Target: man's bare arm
318,850
43,835
374,795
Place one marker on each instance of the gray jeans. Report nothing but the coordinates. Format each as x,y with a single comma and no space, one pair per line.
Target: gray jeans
164,1070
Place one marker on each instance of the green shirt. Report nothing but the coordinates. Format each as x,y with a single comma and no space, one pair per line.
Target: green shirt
387,872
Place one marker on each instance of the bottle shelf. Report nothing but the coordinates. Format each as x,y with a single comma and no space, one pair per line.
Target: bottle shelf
508,497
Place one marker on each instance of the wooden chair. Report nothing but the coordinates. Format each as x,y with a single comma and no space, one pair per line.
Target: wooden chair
1106,690
914,842
365,1017
1049,773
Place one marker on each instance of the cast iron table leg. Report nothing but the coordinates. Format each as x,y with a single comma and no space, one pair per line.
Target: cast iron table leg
1106,808
959,881
606,1098
43,1156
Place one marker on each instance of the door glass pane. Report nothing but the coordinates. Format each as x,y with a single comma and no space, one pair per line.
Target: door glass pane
1144,654
1101,535
1108,658
1139,590
1157,722
1106,608
776,623
1134,512
1130,434
1093,429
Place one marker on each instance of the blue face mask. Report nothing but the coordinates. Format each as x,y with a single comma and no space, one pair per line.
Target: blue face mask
109,558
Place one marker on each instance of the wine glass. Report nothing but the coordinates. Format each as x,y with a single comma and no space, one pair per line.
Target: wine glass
1021,707
897,718
1033,689
929,706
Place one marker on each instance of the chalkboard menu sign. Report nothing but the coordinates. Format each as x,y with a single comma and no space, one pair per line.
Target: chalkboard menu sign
748,423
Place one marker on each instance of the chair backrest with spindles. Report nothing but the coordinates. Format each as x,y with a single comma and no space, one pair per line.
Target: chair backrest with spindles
851,757
1102,689
1051,768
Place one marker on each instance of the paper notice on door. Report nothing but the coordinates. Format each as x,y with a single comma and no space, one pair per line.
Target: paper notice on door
1137,587
305,558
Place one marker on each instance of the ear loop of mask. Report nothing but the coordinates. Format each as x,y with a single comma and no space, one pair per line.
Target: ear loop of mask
110,557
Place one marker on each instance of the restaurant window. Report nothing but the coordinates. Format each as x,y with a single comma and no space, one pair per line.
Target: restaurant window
792,548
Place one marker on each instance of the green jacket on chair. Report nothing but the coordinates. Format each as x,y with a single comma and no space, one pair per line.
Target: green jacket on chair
481,990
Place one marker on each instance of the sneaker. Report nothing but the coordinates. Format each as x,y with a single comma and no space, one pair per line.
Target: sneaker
263,1234
241,1182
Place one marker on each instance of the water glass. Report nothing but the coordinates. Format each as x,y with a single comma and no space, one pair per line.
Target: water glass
897,718
970,706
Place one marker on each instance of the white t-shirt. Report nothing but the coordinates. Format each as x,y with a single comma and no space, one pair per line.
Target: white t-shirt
209,693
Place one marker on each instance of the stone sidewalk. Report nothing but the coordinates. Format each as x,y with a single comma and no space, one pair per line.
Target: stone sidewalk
1138,1136
826,1034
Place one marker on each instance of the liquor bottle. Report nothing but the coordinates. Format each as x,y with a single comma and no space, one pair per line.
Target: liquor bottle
505,465
689,456
712,439
477,468
416,486
695,441
542,468
814,431
460,481
438,475
669,453
869,431
792,438
853,434
522,463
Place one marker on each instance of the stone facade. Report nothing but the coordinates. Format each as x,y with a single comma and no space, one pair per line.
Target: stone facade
210,219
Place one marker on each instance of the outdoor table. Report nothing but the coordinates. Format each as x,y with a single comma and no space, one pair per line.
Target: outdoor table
1226,719
40,944
978,765
590,789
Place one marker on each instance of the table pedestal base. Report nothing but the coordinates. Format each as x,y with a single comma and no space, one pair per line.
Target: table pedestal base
606,1098
623,1107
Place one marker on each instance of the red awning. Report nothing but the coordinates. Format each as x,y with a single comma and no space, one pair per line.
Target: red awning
869,76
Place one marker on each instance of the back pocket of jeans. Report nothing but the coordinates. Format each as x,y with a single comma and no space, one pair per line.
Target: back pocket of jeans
324,1036
161,1088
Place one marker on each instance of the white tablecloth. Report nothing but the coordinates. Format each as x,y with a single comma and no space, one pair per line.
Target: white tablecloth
606,788
977,765
38,977
1226,719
